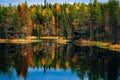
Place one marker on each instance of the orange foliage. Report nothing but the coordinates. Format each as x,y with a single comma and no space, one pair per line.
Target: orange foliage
57,66
58,7
33,9
29,50
30,61
43,61
53,54
26,19
75,24
75,58
22,9
53,20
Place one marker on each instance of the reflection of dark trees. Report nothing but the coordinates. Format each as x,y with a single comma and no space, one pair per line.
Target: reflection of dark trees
6,60
113,67
97,63
88,61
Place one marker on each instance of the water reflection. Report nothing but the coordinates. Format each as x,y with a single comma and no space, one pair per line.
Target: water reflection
51,61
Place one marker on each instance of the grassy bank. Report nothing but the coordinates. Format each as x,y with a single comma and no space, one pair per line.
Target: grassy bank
33,39
18,41
106,45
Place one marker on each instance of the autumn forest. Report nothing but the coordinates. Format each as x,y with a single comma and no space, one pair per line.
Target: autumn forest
97,21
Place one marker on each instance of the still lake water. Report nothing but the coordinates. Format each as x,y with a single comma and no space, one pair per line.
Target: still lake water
52,61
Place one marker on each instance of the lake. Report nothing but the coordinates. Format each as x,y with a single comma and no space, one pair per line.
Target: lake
48,60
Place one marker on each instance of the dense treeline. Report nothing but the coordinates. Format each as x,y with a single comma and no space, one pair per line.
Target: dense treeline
99,21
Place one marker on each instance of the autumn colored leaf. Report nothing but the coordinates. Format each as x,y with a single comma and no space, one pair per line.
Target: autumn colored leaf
67,10
44,12
58,7
53,20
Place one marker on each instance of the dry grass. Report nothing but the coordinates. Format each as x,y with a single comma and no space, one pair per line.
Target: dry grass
117,46
49,37
18,41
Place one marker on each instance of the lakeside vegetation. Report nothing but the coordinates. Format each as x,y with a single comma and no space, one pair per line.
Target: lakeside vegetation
105,45
98,21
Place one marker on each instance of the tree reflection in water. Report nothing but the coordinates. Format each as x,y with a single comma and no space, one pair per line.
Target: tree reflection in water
88,62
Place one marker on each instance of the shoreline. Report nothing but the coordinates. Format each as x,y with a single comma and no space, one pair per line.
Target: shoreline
106,45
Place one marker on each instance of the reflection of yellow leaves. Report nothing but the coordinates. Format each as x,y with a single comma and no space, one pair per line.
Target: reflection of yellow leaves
43,61
58,7
53,55
57,66
44,12
67,65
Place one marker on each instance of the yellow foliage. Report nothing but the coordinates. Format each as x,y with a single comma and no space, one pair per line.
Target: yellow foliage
53,20
44,12
86,8
77,7
33,9
67,10
67,65
58,7
43,61
68,6
53,55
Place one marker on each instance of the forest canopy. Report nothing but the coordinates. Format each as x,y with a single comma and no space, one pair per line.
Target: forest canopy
98,21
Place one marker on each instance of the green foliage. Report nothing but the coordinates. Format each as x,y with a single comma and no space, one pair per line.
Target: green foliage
100,21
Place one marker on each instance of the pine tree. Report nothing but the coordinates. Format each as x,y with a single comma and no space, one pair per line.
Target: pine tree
113,21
